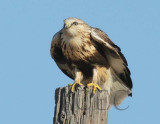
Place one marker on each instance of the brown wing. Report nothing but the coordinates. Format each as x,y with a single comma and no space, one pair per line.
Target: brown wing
113,55
57,55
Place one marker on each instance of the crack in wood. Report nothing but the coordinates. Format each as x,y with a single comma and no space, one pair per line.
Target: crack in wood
81,106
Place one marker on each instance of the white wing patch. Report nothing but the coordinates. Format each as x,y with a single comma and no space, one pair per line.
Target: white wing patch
100,40
116,64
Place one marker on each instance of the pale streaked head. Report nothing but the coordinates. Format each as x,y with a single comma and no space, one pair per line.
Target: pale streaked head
73,26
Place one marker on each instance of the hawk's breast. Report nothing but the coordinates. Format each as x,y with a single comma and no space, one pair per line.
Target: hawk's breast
78,48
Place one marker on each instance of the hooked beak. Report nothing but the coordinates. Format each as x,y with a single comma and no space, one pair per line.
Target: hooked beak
67,25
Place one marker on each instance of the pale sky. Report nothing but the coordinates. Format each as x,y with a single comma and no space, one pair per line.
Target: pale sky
29,77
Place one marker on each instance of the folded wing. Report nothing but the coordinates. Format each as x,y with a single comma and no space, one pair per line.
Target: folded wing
113,55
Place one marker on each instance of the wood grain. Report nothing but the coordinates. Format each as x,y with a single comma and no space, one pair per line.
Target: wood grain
81,106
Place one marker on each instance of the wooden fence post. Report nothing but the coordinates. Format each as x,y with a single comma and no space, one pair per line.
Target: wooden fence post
81,106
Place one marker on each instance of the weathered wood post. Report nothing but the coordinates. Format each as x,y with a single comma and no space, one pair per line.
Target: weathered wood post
80,107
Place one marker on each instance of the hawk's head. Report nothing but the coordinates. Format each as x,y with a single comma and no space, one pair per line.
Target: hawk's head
74,26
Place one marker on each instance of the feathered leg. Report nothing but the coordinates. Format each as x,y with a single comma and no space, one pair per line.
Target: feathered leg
94,81
78,79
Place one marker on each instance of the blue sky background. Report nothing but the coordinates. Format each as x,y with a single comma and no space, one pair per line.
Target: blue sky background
29,77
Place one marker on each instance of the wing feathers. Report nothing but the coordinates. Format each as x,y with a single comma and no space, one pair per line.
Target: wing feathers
101,38
57,55
113,55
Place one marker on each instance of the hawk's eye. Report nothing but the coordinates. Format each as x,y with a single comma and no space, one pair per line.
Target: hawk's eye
75,23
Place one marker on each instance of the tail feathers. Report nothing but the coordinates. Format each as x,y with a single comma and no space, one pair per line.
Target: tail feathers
118,93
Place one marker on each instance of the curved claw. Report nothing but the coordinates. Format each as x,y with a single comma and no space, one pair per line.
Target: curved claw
95,86
74,84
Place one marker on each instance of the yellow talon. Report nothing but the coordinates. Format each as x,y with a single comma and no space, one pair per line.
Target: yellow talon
94,87
74,84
